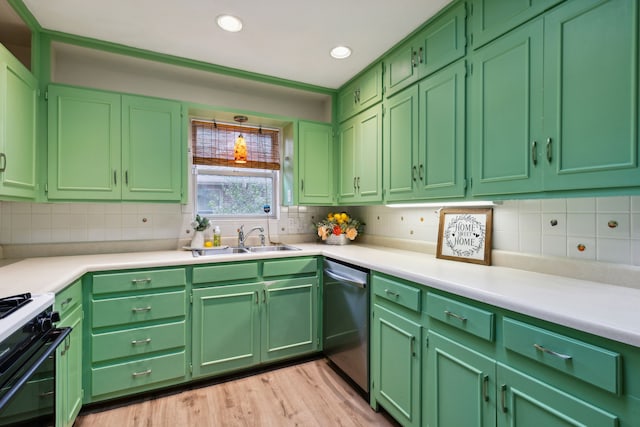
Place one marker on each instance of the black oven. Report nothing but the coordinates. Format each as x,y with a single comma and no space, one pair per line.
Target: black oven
28,343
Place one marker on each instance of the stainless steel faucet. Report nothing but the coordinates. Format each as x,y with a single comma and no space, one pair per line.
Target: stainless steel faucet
242,237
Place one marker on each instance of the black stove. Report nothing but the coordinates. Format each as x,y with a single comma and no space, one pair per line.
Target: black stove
9,305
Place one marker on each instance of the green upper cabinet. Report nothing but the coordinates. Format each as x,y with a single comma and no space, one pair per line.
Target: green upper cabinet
84,144
492,18
151,150
360,154
506,112
104,146
440,43
424,138
361,93
591,95
315,163
580,60
18,104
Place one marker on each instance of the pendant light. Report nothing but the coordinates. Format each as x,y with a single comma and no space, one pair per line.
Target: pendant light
240,146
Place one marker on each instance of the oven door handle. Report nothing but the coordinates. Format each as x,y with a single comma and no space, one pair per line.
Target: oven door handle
55,340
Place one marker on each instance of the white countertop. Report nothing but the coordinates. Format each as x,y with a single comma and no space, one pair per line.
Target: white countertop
602,309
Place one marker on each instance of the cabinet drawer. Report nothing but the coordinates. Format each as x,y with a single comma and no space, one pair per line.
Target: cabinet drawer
139,308
282,267
587,362
134,342
137,374
399,293
225,272
67,300
462,316
138,280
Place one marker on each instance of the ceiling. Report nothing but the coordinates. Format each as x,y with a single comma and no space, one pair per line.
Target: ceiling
288,39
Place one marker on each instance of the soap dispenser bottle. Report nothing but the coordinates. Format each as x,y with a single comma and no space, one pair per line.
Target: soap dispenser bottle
216,236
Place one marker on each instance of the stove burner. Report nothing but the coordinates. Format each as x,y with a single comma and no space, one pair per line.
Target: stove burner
10,304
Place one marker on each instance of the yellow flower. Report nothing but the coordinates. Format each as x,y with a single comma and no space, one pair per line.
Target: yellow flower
351,233
330,216
344,217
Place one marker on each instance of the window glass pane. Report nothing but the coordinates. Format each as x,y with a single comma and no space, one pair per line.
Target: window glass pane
225,194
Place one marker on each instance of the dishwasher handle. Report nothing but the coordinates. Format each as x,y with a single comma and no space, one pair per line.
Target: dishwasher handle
335,276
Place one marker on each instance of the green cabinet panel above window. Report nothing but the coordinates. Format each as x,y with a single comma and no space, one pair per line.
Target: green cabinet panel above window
361,93
315,163
104,146
18,104
440,43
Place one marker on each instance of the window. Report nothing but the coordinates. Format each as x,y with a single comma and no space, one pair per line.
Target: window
236,169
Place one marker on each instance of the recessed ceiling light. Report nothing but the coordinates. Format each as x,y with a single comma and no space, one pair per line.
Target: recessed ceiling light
340,52
229,23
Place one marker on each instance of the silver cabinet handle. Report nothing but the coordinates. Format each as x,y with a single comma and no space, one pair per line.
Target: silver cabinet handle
126,177
115,178
354,184
413,173
3,157
503,398
549,154
391,293
551,352
302,185
140,374
456,316
358,184
485,388
141,309
413,59
413,346
420,58
65,302
138,342
420,170
140,281
534,153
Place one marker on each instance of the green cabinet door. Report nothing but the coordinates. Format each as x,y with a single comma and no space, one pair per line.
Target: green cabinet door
315,163
69,391
491,18
151,149
290,318
360,153
460,385
396,365
527,402
84,144
18,102
506,110
400,145
441,147
591,95
226,328
347,140
401,67
361,93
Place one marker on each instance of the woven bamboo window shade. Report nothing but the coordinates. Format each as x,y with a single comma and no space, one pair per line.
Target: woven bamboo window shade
213,145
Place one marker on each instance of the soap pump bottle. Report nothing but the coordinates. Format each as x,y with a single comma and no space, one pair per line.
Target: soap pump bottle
216,236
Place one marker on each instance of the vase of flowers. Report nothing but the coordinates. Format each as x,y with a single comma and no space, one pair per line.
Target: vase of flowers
339,228
200,224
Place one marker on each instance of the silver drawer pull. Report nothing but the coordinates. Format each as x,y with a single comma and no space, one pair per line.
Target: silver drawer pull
141,309
140,281
46,394
137,342
457,316
65,302
553,353
140,374
391,293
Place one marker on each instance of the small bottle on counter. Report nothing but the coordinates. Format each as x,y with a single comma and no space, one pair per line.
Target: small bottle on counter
217,238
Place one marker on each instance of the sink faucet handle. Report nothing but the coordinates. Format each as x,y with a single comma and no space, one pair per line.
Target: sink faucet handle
262,239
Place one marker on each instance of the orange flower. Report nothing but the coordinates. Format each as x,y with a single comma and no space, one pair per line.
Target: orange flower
351,233
322,232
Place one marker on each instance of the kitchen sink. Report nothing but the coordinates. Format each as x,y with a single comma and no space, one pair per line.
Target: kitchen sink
218,251
272,248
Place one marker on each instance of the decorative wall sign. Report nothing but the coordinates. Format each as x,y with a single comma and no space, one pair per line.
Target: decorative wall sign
465,235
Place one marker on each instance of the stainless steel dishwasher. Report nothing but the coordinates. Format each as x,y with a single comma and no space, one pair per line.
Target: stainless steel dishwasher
346,320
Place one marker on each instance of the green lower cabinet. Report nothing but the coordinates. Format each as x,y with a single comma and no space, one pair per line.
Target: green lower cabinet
69,391
396,365
290,318
460,386
226,328
527,402
243,325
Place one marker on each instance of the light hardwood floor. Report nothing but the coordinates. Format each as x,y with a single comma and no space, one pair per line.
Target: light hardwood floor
308,394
